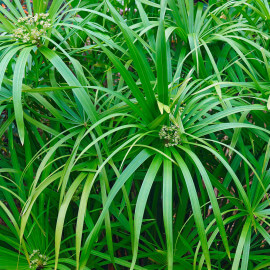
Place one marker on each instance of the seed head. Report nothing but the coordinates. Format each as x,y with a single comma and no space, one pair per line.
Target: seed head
37,260
31,28
170,134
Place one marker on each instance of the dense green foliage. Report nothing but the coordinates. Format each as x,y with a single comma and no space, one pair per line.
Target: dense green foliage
135,134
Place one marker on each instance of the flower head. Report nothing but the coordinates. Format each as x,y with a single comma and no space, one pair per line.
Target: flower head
37,260
170,134
181,109
31,28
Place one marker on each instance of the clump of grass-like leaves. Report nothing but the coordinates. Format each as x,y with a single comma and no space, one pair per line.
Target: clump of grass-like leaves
134,134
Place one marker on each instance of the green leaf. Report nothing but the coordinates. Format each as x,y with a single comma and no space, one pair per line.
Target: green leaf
162,73
195,205
168,207
141,203
17,89
131,168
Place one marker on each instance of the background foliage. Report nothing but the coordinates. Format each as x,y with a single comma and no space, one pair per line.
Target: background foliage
134,134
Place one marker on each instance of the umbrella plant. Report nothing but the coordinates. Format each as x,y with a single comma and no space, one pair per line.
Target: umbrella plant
135,135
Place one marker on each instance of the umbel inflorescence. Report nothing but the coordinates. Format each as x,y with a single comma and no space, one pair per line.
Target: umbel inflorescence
31,28
170,135
37,260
